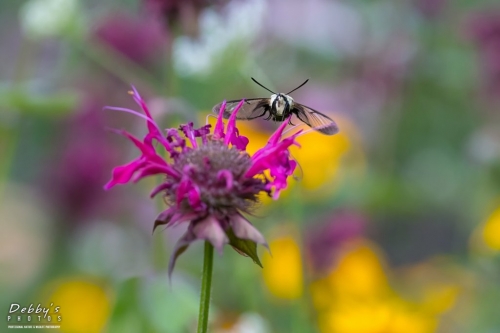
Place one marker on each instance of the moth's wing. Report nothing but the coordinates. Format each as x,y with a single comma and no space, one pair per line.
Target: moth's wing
252,108
314,119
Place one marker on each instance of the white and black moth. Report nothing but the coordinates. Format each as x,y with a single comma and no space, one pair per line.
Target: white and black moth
278,108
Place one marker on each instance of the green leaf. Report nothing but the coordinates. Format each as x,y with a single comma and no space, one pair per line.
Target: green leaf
30,103
244,247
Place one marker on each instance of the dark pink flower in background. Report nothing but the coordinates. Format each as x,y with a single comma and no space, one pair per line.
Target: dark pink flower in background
139,38
209,178
484,29
73,182
185,12
324,242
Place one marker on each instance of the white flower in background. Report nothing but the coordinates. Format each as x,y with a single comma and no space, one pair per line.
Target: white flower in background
47,18
240,22
249,322
252,323
332,28
484,145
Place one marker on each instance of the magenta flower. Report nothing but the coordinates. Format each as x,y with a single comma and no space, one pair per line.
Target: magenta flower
209,178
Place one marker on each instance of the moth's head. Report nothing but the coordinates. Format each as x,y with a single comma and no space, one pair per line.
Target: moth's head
281,100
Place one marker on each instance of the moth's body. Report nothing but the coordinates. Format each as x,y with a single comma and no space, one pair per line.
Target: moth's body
279,107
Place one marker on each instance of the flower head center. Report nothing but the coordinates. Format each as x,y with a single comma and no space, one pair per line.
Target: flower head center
217,173
212,157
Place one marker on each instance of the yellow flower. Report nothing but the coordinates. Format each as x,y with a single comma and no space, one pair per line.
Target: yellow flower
491,231
325,160
356,298
359,273
84,305
283,271
389,315
440,298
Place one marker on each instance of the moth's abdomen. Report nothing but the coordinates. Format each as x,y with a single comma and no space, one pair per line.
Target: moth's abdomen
279,117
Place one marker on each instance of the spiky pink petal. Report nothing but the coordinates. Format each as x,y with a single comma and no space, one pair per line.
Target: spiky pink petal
160,188
172,216
155,169
219,125
122,174
232,135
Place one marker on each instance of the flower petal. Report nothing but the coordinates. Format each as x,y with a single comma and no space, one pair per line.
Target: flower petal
239,141
227,176
202,133
159,188
194,198
209,229
154,169
265,157
122,174
145,147
181,246
138,99
232,132
242,228
188,131
171,217
183,190
219,126
277,134
164,217
154,130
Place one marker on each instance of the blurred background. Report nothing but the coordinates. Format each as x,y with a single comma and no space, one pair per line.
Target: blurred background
392,226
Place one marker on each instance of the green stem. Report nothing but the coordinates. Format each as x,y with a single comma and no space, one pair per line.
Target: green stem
206,286
10,134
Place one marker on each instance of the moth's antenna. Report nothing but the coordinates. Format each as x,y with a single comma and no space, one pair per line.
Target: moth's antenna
254,80
298,87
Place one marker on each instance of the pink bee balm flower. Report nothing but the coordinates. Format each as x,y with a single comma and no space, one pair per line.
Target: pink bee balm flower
210,182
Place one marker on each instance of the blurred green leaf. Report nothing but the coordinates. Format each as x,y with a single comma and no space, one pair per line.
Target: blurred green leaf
170,308
126,313
28,103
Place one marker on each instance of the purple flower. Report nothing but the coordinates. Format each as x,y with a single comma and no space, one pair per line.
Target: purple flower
325,241
140,39
484,29
74,177
209,178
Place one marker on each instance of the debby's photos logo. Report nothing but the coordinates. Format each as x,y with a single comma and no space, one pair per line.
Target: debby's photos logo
33,316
